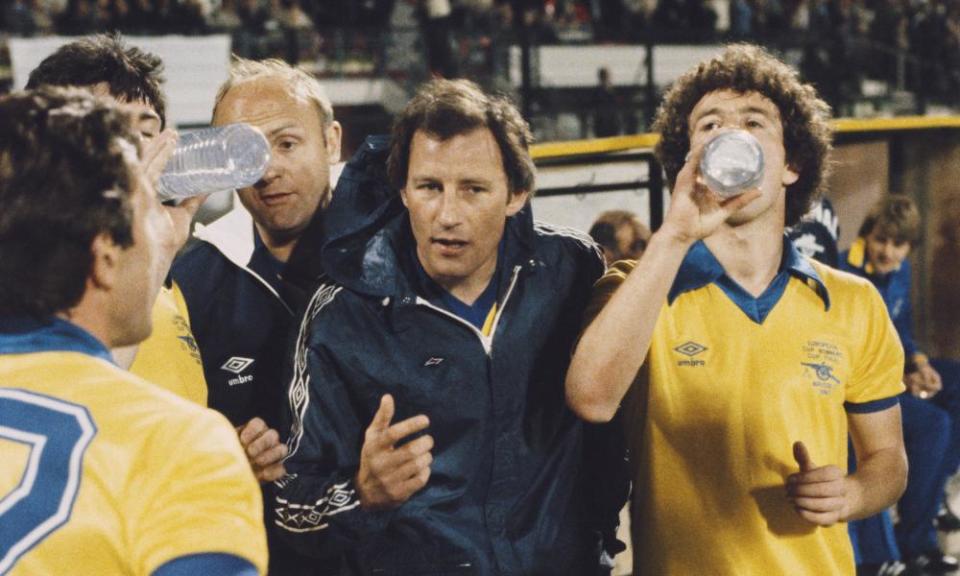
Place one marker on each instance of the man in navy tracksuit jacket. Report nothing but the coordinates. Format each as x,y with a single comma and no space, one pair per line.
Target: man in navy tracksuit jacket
236,279
429,429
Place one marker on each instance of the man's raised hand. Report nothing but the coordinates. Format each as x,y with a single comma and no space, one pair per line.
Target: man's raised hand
389,475
695,211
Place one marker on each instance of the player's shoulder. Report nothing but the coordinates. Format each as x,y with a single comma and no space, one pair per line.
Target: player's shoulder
143,408
840,283
565,240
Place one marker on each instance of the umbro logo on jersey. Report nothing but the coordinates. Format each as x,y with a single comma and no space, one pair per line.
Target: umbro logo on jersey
237,364
433,362
690,349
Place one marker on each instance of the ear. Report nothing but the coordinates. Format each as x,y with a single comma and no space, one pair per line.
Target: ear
516,202
105,269
333,135
790,176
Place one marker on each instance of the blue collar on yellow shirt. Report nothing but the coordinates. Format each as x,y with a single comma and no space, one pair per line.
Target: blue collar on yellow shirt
700,268
24,334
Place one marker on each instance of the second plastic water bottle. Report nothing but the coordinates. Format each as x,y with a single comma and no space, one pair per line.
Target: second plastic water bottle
732,163
213,159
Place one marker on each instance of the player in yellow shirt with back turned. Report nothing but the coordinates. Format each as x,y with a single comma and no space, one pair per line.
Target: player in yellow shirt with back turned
103,473
749,362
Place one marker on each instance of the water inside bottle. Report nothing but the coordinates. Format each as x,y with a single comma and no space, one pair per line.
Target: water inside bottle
214,159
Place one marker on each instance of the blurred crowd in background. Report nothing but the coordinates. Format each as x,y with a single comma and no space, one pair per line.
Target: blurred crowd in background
849,48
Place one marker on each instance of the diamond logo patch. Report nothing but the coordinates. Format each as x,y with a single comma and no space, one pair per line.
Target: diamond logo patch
237,364
690,348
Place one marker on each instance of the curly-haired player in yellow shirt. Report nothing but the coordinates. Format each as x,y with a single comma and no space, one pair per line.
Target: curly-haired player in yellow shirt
751,362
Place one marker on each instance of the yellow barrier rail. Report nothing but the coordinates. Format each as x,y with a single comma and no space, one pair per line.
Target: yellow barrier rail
841,125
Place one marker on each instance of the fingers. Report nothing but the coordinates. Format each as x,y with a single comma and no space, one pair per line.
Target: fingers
412,468
408,452
401,430
251,431
819,518
934,384
819,495
689,174
735,203
819,505
819,483
263,449
190,206
390,474
268,455
270,473
156,153
802,457
411,486
381,420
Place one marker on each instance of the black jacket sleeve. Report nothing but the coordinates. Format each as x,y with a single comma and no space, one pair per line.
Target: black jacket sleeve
316,505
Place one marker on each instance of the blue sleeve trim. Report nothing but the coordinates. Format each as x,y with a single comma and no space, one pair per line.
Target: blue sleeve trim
872,406
209,564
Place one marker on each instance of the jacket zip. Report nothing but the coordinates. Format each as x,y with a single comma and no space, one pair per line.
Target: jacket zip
485,341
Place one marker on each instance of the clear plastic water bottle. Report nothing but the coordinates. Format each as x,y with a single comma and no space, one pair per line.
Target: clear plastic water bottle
732,163
213,159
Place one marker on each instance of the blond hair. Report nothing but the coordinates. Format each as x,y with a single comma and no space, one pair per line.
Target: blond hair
300,84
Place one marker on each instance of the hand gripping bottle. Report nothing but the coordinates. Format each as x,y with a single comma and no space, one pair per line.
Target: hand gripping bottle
732,163
213,159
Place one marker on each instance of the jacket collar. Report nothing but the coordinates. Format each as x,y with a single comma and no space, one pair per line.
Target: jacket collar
233,236
700,268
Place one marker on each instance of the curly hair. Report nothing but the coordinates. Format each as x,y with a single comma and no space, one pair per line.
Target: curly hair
448,108
744,68
64,179
131,74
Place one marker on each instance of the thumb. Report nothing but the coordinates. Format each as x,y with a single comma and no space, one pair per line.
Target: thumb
381,420
191,205
737,202
802,456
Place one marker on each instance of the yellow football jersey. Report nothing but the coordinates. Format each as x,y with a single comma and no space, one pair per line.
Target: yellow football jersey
170,358
720,401
104,473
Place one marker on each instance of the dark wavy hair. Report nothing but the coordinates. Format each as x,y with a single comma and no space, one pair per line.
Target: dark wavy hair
448,108
743,68
64,179
131,74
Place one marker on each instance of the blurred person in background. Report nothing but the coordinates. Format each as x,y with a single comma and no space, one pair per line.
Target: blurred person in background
931,406
620,234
